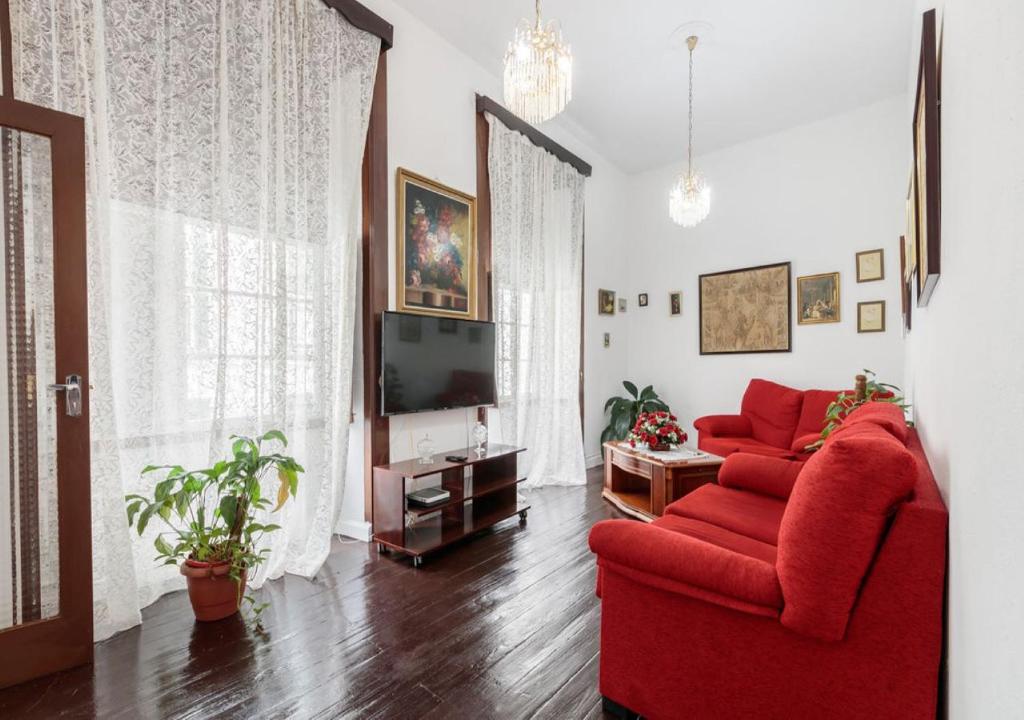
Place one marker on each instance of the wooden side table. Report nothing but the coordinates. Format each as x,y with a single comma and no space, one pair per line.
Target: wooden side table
641,485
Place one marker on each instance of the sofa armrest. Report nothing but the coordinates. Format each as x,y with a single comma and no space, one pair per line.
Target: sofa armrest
724,425
684,565
757,473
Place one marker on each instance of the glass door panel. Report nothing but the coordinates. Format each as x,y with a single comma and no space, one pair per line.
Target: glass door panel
29,532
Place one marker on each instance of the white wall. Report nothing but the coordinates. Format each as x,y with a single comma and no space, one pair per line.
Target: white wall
432,131
964,357
814,196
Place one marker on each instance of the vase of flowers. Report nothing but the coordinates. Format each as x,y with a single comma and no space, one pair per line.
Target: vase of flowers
659,430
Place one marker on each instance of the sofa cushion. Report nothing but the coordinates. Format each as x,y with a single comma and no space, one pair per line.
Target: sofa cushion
885,415
764,475
800,442
750,514
773,410
717,536
812,411
726,446
833,523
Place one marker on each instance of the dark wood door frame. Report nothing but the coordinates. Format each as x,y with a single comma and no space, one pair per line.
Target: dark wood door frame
48,645
484,305
376,427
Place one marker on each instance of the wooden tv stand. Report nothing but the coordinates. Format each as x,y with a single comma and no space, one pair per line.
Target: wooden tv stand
479,500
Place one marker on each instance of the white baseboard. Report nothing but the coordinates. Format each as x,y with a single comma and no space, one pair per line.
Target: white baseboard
358,529
593,460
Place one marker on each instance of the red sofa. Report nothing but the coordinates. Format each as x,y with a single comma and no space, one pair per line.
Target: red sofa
774,420
790,590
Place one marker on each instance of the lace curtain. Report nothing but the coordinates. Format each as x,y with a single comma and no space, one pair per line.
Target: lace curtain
537,258
224,147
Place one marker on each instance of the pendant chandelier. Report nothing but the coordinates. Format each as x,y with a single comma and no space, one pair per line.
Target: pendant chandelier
690,200
538,71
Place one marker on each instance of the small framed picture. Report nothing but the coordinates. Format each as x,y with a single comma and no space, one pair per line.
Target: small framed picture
871,316
870,266
605,302
675,303
641,300
622,305
607,339
817,299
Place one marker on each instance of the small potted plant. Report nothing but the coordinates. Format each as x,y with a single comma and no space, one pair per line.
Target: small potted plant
659,430
211,513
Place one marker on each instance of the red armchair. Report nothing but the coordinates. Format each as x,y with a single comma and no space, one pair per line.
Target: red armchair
774,420
790,590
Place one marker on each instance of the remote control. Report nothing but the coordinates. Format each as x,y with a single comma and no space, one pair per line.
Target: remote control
456,458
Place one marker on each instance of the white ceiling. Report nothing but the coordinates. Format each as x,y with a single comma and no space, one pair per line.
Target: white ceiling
766,66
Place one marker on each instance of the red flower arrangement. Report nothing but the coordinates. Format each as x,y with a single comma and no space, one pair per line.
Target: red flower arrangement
658,429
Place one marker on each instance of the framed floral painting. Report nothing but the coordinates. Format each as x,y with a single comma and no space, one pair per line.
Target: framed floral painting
436,259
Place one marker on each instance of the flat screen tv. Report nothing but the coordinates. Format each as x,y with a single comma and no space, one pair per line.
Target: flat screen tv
435,363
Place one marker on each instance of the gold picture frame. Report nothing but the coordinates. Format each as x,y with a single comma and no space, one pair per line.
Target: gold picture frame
605,302
871,316
818,299
871,265
436,258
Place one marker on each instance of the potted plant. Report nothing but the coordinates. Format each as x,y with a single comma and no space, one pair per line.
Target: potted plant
625,410
868,390
211,513
659,430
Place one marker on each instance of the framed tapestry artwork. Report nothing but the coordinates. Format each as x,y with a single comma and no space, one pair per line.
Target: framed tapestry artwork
871,265
436,259
605,302
675,303
871,316
926,163
817,299
746,311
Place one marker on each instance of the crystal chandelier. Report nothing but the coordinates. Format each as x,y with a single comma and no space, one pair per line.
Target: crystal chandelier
690,200
538,71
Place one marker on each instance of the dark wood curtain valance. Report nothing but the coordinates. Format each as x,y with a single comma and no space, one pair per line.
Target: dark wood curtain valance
485,104
365,19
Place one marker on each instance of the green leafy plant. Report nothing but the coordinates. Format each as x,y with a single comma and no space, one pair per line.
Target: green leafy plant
847,402
211,513
623,411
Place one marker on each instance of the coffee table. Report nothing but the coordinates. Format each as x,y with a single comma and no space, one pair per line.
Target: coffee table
641,484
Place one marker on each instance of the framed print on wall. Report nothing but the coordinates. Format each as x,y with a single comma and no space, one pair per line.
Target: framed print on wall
926,163
871,316
905,287
605,302
871,265
622,305
641,300
746,311
817,299
675,303
436,259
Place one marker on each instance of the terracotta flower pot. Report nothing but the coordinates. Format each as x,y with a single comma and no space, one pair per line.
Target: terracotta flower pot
212,591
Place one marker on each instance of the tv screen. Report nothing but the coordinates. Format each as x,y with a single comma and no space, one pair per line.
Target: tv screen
434,363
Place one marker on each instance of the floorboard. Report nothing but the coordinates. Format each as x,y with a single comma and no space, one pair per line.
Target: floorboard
504,625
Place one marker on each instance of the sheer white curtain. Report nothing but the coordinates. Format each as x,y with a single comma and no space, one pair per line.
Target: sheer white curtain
537,259
224,145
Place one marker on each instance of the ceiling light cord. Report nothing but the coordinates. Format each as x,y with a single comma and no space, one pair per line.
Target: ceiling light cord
691,42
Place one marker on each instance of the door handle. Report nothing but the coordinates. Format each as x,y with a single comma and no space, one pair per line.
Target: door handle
72,389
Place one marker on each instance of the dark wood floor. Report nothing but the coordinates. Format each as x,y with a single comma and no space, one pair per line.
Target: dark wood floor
505,625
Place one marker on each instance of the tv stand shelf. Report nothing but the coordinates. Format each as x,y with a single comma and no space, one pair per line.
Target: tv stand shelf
486,496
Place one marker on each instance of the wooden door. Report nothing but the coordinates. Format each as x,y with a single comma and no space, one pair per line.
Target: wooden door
45,514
